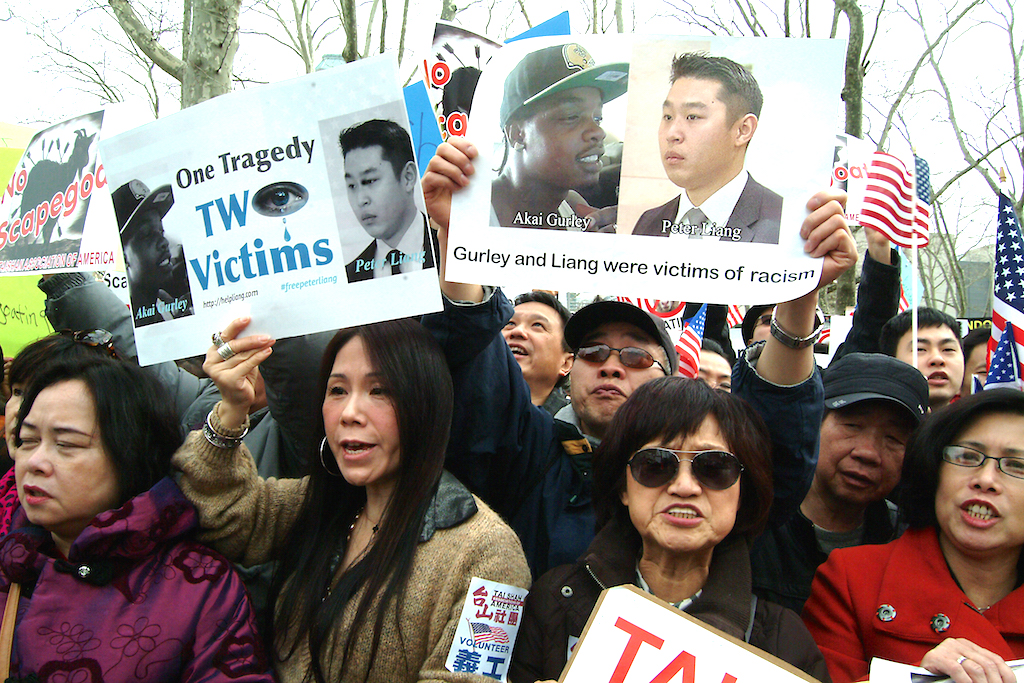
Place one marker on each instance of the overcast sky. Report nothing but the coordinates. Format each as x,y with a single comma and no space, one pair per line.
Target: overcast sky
977,63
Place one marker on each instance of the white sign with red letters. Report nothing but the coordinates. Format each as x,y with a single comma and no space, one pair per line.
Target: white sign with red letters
633,637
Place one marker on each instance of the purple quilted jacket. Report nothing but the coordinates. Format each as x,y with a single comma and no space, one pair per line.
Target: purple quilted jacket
136,600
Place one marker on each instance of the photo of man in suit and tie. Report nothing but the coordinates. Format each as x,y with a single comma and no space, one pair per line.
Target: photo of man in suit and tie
709,117
381,180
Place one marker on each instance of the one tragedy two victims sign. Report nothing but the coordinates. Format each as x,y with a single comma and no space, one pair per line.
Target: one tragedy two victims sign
297,203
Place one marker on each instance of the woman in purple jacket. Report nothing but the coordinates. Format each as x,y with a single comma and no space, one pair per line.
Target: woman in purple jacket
112,586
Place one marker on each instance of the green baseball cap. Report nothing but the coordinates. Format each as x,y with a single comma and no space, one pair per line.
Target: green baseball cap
557,68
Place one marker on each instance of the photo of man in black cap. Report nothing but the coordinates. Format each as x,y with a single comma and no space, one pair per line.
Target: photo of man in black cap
551,123
156,278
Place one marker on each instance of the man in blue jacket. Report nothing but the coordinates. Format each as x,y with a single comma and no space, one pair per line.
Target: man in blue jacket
534,469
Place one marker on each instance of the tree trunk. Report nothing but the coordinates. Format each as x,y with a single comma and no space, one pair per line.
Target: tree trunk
210,38
210,54
401,38
448,10
348,22
853,87
853,97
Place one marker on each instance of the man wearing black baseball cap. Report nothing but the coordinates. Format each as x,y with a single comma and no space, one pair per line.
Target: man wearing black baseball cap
872,404
156,279
536,471
551,121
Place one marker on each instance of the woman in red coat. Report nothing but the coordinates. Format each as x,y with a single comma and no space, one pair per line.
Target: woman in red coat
947,595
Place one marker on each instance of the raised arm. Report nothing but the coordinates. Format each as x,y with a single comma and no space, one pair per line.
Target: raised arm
783,383
243,516
826,236
447,173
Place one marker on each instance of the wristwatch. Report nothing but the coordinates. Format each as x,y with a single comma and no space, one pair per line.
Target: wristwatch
791,341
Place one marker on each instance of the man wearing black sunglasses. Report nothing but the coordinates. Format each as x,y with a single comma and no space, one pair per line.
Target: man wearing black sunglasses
534,470
618,347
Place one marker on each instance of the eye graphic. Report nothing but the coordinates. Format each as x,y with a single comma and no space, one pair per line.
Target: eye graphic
280,199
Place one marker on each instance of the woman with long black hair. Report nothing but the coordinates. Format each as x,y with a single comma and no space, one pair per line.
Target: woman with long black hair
377,546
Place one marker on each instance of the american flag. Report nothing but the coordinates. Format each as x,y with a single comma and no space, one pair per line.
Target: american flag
1005,369
1008,301
735,315
688,345
484,633
890,205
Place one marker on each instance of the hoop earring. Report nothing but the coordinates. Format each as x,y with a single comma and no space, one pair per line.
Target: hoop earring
335,472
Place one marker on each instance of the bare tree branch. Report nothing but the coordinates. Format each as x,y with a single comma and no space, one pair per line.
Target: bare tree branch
143,37
926,55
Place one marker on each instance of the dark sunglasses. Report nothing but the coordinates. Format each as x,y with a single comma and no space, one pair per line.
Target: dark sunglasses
631,356
99,339
715,470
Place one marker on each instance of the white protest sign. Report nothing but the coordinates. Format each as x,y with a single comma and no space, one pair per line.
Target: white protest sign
632,637
567,126
249,206
487,629
850,172
55,211
459,55
886,671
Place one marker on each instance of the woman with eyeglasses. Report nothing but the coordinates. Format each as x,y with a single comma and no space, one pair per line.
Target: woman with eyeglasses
948,594
682,483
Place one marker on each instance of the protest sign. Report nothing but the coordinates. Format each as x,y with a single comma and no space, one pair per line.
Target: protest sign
487,630
22,313
565,128
247,205
632,637
55,212
13,140
850,172
886,671
459,55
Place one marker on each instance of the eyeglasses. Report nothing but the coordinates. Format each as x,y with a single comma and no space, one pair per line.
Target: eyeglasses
631,356
654,467
100,339
964,456
765,319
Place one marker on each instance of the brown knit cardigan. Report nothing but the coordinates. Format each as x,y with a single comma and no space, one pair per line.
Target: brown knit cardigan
248,519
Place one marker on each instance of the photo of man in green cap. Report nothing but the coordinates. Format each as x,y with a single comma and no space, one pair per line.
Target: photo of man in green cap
550,117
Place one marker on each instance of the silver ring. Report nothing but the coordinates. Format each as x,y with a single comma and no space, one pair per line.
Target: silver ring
218,340
225,351
960,660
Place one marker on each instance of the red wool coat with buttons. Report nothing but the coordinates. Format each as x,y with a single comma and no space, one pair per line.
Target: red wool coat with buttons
889,601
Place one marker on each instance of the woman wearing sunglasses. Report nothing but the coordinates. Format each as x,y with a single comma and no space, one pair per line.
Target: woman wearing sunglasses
682,482
947,594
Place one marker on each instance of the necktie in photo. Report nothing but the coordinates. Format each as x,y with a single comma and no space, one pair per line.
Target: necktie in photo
696,218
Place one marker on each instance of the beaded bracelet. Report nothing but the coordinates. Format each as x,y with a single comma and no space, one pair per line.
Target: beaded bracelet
219,440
